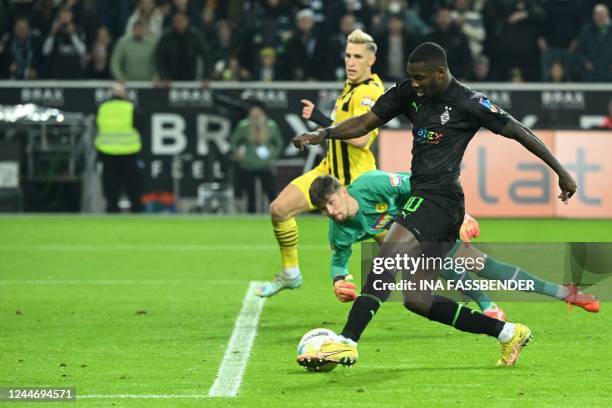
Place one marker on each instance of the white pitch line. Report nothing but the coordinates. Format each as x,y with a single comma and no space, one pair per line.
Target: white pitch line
239,347
142,396
118,282
156,248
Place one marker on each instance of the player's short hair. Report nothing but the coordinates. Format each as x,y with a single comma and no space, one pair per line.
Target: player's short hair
321,188
361,37
429,53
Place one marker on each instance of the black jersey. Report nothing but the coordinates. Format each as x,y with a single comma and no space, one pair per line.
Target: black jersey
442,128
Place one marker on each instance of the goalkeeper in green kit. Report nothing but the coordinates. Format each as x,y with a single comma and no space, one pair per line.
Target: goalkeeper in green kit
366,208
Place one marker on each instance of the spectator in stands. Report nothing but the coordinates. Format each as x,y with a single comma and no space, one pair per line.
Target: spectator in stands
149,16
337,45
269,24
98,59
482,69
607,122
98,65
454,42
272,23
19,52
113,14
64,48
186,7
469,21
395,43
413,22
232,70
255,144
224,46
267,68
132,58
557,72
516,75
304,51
595,46
518,42
181,54
559,33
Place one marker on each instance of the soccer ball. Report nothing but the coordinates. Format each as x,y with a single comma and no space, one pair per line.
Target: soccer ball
312,341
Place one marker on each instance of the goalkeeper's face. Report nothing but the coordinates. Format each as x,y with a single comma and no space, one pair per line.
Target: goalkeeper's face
337,206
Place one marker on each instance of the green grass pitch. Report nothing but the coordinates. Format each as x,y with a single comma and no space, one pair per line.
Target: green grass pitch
146,306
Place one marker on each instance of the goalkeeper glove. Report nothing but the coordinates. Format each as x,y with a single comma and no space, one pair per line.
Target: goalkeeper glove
469,229
344,289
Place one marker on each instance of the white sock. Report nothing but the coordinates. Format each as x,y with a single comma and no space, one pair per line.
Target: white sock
562,292
507,333
292,272
347,341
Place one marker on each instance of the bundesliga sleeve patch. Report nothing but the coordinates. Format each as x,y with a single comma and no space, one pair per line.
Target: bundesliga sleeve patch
488,104
367,101
396,180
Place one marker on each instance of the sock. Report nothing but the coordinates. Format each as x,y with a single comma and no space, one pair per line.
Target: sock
507,333
562,292
449,312
478,296
363,310
286,233
505,272
292,272
346,340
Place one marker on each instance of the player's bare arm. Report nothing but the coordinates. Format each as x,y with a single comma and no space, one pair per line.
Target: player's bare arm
311,112
349,129
522,134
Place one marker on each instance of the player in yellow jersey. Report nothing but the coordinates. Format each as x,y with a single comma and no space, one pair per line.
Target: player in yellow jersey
344,160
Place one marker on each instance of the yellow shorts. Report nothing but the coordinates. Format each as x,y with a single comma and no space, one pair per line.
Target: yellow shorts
305,180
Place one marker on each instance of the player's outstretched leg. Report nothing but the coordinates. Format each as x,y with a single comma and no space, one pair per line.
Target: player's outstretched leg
283,209
569,293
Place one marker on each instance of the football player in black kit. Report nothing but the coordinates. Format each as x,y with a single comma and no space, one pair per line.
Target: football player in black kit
445,115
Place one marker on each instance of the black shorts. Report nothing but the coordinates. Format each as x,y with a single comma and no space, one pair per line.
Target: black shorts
433,216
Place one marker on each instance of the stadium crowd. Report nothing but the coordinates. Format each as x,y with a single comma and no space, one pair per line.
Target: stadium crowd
300,40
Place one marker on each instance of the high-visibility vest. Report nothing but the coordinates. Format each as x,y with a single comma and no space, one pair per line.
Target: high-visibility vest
116,132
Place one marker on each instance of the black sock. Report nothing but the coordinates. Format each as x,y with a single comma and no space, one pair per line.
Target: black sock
449,312
364,308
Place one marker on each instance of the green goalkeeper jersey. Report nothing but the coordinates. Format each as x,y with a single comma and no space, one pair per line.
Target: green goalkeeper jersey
381,196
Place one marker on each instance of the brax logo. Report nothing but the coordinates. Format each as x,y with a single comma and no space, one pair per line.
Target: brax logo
423,135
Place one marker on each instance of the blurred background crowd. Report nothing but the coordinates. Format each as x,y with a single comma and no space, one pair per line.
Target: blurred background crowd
300,40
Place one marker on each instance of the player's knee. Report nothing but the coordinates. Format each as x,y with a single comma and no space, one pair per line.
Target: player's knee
278,211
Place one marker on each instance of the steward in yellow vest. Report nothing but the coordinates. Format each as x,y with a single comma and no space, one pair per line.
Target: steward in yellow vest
118,144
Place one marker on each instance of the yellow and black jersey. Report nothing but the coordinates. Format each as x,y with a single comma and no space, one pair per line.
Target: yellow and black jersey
345,161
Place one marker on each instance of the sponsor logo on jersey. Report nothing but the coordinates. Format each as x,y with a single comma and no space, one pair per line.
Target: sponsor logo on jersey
382,222
396,180
445,116
426,136
382,207
367,101
488,104
415,106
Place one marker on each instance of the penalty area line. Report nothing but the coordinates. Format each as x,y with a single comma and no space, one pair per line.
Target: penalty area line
238,350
